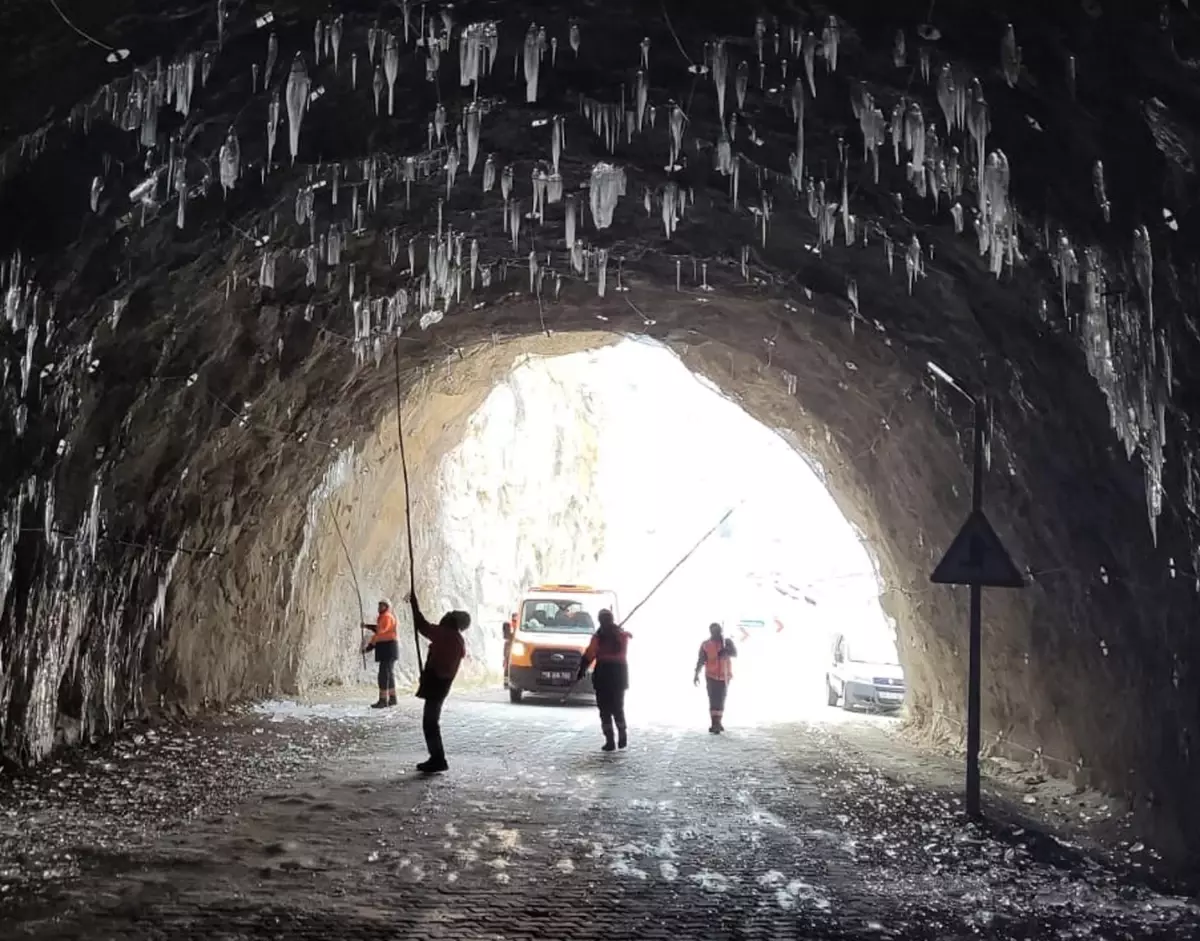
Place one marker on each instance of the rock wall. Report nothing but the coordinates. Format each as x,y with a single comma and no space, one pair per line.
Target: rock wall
518,502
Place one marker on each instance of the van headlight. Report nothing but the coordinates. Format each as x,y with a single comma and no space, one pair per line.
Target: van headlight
518,649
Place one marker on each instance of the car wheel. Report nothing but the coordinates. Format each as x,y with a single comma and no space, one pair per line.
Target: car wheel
831,696
514,694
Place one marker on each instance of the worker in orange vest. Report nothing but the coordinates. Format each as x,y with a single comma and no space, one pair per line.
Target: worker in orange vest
610,679
387,650
716,660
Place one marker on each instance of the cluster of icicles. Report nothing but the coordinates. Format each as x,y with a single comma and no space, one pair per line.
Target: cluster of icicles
70,590
941,158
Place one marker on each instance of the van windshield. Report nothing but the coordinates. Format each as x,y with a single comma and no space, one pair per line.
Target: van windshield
873,649
565,613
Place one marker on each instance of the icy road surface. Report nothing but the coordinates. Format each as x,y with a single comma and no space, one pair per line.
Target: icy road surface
321,830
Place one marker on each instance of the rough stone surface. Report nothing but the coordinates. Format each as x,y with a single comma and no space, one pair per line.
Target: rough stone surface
168,414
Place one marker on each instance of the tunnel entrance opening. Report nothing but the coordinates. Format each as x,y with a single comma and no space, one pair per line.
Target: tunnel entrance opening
605,467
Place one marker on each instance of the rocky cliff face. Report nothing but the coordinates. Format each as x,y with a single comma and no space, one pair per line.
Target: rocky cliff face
518,500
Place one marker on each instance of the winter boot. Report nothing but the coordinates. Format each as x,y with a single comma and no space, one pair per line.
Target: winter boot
715,727
433,766
391,699
381,704
609,744
622,738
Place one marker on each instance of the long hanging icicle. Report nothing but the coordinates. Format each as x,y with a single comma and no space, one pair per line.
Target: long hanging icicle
230,159
532,61
297,102
272,55
720,75
606,188
391,67
471,118
272,124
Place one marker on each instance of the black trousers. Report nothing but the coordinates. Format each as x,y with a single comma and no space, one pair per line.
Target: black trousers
434,691
716,697
387,676
610,680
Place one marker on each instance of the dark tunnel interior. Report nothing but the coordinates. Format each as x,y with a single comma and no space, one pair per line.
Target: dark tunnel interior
224,252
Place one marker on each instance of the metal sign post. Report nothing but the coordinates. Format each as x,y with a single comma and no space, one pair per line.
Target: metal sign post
976,558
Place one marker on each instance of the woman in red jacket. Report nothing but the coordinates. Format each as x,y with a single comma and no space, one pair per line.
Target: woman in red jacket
442,660
608,650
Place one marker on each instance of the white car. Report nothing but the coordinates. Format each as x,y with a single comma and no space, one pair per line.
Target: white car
865,672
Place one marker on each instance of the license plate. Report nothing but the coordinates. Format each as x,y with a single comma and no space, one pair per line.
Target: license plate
891,697
557,677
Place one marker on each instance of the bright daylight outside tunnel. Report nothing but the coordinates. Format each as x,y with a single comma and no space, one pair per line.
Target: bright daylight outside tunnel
552,309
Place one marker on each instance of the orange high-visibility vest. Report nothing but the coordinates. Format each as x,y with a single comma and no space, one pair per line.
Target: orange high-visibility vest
385,628
716,667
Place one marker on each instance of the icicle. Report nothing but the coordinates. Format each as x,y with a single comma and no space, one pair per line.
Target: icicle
472,118
353,71
640,95
297,101
1100,189
181,190
899,50
439,122
831,38
852,295
606,188
97,189
912,262
554,188
720,74
602,272
451,169
506,182
335,39
532,61
556,141
1143,266
1010,57
677,120
377,87
570,236
514,222
272,56
810,61
230,159
573,38
889,251
272,124
391,67
533,271
489,173
741,82
926,62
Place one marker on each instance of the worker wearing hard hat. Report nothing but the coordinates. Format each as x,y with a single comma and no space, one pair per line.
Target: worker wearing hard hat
387,650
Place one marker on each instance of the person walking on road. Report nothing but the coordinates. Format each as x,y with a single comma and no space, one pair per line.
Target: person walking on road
387,651
716,660
610,679
445,655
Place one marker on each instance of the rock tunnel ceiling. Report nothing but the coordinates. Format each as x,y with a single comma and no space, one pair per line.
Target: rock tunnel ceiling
219,216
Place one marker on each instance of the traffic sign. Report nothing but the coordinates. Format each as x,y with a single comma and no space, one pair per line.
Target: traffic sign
977,557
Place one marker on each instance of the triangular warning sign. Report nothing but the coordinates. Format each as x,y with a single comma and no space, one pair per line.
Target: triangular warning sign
977,557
